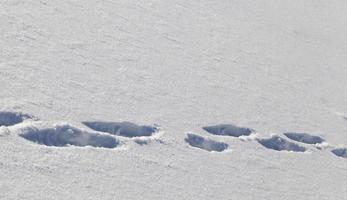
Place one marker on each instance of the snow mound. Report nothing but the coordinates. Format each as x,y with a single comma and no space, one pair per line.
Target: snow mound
126,129
279,144
341,152
63,135
228,130
12,118
205,144
304,138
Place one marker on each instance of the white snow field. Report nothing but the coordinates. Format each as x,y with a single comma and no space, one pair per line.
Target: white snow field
148,99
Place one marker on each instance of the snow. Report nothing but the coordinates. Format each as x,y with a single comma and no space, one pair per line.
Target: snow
273,67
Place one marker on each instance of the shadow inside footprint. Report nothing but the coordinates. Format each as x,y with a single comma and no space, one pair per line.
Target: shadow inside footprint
12,118
304,138
279,144
126,129
228,130
62,135
205,144
342,152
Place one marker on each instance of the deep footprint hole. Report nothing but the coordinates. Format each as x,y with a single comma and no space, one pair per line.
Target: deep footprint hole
280,144
228,130
205,144
63,135
304,138
341,152
125,129
12,118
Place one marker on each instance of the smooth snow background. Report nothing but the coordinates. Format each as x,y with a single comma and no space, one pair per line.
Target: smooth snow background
274,66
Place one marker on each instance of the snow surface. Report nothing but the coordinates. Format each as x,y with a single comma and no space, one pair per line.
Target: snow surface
272,66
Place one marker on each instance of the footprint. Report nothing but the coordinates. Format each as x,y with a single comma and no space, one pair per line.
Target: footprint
63,135
205,144
279,144
126,129
228,130
142,142
304,138
341,152
12,118
344,116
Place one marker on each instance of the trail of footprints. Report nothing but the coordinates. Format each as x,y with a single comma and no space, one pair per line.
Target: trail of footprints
62,135
106,135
